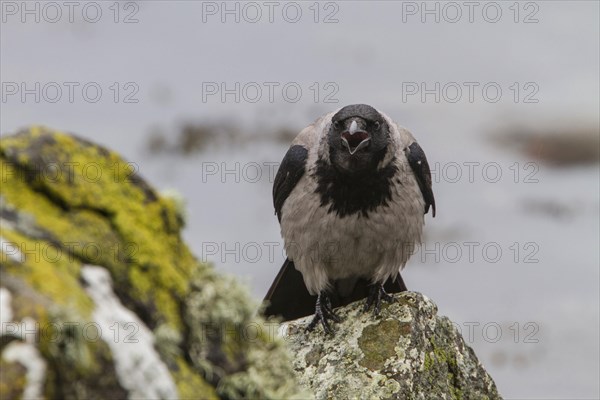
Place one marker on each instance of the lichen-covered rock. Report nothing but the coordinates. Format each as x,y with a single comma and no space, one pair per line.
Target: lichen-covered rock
407,352
100,297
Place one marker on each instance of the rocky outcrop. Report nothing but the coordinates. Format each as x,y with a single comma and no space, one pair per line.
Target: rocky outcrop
99,296
407,352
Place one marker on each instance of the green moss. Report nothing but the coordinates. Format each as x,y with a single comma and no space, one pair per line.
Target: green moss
378,343
79,364
418,356
78,367
441,370
12,379
455,392
429,361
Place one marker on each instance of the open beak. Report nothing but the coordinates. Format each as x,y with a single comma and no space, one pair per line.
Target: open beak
355,139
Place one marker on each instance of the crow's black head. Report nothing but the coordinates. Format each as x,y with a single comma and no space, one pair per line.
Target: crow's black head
354,181
357,138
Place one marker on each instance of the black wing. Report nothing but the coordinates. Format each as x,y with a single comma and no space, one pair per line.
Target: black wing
418,163
290,171
288,297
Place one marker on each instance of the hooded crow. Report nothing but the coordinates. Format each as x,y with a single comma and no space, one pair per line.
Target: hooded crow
350,196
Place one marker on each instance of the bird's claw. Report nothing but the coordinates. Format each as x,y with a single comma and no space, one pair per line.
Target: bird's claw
376,294
323,313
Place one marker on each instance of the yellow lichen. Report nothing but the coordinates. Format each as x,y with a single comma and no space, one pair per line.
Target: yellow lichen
190,385
67,202
48,272
110,220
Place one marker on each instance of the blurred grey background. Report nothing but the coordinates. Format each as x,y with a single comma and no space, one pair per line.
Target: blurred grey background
205,97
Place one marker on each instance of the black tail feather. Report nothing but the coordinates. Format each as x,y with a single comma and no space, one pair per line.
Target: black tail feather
289,299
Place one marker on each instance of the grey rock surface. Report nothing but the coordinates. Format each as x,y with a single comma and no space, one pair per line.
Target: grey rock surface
407,352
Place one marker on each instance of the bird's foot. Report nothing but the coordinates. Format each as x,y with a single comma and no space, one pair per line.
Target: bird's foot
376,294
323,313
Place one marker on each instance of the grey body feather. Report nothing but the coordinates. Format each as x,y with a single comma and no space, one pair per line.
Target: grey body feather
332,250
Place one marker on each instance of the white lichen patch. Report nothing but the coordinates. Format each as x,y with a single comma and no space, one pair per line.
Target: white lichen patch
10,250
24,353
404,314
28,356
5,309
139,368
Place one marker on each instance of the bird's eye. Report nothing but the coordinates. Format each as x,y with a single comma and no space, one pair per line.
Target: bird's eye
336,124
377,125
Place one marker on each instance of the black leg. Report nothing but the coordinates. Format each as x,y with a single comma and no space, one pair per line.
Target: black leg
330,311
323,313
376,294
